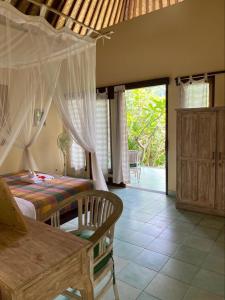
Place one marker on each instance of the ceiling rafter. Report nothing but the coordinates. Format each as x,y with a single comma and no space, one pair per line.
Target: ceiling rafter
97,14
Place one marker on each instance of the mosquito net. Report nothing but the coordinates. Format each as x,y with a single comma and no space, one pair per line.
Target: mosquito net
38,65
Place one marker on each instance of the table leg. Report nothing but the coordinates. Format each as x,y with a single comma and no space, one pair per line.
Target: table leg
5,295
87,289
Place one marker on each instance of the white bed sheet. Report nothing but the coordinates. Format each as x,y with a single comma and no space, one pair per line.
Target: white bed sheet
26,207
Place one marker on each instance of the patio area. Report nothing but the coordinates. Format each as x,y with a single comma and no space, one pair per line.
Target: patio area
150,178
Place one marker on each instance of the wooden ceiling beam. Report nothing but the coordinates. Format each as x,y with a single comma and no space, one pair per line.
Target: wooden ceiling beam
82,15
126,13
122,14
22,5
131,9
114,12
134,12
119,11
96,14
102,15
58,5
65,10
108,13
90,13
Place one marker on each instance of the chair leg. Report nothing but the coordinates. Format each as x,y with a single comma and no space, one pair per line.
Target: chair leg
116,292
115,289
139,175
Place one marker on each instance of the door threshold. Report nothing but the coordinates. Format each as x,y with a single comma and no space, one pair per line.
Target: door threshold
144,189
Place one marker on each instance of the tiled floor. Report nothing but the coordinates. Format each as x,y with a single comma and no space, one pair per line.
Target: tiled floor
165,254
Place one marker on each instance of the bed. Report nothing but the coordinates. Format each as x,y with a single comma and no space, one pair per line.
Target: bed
49,198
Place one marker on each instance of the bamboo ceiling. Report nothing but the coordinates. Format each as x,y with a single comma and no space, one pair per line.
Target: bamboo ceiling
97,14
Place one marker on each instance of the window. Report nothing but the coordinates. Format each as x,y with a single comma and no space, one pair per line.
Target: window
103,132
197,93
78,157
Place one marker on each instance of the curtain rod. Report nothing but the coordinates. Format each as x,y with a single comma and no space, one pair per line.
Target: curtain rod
134,85
45,7
140,84
202,75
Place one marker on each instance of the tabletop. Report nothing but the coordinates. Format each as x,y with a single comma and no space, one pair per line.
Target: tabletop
29,255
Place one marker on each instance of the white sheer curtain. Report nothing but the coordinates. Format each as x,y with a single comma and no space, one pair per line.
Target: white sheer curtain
103,131
120,163
194,93
76,100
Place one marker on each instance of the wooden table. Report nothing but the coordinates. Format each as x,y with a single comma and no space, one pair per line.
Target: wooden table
42,263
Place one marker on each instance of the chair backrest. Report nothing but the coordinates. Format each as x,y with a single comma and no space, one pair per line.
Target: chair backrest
98,210
133,157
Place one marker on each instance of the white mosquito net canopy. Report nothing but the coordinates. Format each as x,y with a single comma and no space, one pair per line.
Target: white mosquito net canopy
38,65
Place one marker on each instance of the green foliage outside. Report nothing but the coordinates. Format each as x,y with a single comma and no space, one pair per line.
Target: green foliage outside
146,124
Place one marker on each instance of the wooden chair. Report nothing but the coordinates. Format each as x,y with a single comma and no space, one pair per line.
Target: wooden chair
98,212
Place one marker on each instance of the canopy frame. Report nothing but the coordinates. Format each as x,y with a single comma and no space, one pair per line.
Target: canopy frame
69,20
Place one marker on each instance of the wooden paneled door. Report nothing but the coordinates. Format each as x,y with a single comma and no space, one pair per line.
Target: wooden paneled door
186,157
206,161
196,158
220,174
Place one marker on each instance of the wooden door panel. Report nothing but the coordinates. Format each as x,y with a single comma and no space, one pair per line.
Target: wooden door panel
206,160
188,181
196,159
189,122
220,187
206,184
221,132
220,175
206,135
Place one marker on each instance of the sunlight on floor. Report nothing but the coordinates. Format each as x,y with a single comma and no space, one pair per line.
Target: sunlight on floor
150,178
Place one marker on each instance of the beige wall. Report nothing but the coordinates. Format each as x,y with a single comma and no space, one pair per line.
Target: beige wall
45,150
220,90
181,40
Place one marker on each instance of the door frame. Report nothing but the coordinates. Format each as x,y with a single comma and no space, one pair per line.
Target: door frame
155,82
142,84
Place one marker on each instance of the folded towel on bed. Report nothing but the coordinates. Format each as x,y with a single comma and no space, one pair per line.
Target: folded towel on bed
37,178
